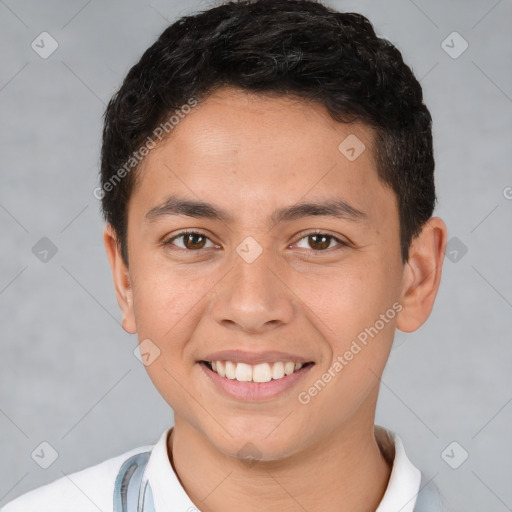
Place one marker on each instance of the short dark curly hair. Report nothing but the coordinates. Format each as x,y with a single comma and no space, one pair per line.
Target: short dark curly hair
298,48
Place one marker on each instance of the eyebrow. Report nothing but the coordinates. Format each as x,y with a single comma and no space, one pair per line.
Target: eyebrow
332,207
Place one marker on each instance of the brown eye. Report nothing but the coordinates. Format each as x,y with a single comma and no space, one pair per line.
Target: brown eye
191,240
320,242
194,241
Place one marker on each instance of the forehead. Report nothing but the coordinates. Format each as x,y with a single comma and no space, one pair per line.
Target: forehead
271,126
242,148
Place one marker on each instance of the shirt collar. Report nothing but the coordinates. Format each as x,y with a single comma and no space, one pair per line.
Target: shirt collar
405,478
400,495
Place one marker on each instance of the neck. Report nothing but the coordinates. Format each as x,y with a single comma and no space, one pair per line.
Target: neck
331,476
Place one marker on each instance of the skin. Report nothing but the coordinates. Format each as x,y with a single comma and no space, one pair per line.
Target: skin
250,155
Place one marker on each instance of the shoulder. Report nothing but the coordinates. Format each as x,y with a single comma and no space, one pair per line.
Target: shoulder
408,490
88,490
429,497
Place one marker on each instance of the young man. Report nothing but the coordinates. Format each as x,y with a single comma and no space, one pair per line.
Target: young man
267,181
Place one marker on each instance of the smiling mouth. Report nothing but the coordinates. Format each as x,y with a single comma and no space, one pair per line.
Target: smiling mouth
263,372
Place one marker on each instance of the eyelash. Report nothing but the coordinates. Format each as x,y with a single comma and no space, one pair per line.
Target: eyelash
341,243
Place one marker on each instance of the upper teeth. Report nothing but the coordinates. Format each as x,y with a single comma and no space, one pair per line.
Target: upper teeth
263,372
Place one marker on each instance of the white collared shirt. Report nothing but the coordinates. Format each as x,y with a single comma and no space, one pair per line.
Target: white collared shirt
92,489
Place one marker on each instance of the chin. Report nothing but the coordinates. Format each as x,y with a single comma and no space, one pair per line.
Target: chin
255,444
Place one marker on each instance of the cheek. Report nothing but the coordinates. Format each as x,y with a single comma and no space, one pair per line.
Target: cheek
351,297
166,309
359,326
165,304
356,312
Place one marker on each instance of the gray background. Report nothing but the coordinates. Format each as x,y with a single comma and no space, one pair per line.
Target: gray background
68,375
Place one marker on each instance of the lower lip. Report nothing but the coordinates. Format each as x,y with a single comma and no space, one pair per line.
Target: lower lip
255,391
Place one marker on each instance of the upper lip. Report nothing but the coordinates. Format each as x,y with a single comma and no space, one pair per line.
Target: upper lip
241,356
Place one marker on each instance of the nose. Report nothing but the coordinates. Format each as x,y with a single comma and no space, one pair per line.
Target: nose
254,295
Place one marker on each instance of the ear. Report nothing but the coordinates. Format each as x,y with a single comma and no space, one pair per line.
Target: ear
422,275
121,276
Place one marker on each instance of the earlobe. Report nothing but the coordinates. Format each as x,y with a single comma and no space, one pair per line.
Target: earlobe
121,278
422,275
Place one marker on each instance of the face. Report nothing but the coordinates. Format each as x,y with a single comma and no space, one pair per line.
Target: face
261,283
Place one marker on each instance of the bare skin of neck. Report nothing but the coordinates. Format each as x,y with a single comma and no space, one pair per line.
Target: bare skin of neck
345,472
